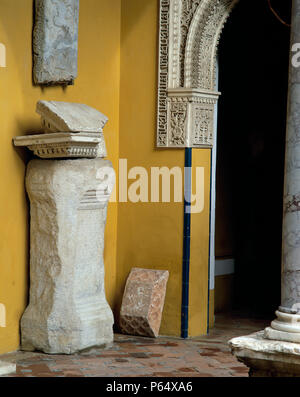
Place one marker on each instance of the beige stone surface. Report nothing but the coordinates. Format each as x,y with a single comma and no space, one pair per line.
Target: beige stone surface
274,334
67,310
64,145
7,368
267,357
60,116
71,130
55,41
143,302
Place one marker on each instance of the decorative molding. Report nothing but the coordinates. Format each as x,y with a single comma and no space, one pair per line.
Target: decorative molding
189,37
175,44
64,145
71,130
162,119
191,117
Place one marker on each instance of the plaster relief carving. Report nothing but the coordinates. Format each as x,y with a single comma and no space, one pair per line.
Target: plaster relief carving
203,119
191,117
178,117
189,36
163,72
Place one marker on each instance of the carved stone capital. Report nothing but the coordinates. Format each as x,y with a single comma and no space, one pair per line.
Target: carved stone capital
191,115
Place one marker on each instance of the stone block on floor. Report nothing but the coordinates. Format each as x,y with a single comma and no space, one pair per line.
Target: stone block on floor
143,302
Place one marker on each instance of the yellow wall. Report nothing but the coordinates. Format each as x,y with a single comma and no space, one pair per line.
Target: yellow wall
118,76
150,235
97,86
198,301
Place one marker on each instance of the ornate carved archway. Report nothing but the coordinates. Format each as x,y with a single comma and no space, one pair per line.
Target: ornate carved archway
189,36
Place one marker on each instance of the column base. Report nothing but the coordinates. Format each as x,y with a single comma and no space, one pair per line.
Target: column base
86,329
267,358
286,327
274,334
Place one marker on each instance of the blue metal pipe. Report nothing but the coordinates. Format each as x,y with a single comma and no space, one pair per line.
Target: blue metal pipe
186,243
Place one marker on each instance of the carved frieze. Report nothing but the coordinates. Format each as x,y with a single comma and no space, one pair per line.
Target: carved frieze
64,145
189,36
191,115
178,118
163,72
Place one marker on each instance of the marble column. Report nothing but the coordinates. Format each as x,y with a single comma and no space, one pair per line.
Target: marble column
287,325
67,311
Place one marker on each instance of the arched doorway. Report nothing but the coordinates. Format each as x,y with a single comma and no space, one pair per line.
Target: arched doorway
253,79
190,31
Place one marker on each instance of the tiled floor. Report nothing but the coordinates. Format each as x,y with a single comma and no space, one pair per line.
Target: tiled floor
206,356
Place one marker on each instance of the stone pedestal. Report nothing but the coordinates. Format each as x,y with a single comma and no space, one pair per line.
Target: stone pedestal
267,358
68,311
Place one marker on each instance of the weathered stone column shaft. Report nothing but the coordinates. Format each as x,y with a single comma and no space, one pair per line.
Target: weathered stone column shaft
68,311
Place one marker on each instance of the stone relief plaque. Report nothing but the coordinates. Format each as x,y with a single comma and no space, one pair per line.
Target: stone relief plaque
55,41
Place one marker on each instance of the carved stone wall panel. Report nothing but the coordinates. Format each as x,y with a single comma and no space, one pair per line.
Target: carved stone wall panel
202,43
191,115
203,123
162,120
189,37
189,8
55,41
174,45
178,114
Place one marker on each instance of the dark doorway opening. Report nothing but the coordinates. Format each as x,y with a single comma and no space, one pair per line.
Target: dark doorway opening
253,79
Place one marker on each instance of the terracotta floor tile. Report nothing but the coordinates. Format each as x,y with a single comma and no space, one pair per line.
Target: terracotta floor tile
130,356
